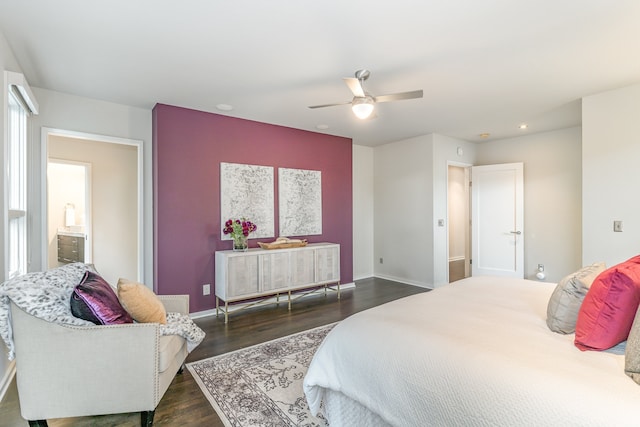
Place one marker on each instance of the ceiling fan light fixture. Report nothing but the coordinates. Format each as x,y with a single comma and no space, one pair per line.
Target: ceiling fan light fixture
362,107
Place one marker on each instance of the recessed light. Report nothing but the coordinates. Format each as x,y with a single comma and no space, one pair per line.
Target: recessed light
484,135
322,127
523,126
224,107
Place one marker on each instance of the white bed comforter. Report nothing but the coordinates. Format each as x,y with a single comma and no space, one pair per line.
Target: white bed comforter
476,352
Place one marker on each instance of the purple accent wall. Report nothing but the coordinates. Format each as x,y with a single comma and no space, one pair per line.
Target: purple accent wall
188,147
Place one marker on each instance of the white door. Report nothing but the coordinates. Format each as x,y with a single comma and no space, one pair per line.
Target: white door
497,220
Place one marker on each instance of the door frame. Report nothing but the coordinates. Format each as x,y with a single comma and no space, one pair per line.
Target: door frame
467,167
138,144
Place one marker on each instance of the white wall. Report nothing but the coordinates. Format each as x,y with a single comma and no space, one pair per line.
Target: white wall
74,113
403,211
362,212
68,112
610,175
552,196
445,153
410,196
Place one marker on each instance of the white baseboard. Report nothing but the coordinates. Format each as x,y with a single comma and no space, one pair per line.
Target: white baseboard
6,380
272,300
405,281
457,258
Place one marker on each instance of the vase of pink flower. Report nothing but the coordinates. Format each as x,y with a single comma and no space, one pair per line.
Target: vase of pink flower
239,230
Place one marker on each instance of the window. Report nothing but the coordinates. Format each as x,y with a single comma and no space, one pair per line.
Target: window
20,105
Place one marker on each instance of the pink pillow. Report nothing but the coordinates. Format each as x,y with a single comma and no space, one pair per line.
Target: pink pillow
95,300
608,309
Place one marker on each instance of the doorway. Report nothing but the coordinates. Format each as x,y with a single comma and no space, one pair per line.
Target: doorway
113,211
69,207
498,218
458,213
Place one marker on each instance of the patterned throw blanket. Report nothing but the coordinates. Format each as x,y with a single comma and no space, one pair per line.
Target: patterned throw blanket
46,295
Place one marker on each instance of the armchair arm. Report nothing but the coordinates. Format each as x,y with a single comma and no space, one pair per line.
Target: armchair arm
175,303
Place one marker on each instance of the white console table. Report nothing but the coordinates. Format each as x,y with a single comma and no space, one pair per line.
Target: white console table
259,273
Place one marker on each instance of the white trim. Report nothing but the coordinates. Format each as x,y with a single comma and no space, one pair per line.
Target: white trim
5,172
404,281
457,258
46,132
9,375
240,306
18,81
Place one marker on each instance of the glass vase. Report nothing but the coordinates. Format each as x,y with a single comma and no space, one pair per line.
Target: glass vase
240,243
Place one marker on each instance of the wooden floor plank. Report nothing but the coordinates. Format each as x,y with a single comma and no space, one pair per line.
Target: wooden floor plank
184,404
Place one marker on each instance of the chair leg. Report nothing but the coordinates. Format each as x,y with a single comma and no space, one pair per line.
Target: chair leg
146,418
38,423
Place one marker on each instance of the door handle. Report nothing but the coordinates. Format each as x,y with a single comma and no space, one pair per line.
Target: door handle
516,232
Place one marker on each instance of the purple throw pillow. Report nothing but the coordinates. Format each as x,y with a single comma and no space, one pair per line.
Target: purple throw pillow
94,300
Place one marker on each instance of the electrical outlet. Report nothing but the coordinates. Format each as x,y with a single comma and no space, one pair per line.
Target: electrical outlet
381,260
617,226
206,289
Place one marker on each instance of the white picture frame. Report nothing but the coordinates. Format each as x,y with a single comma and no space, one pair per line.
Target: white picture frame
300,202
247,191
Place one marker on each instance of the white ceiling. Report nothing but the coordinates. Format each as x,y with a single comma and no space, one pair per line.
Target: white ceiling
484,66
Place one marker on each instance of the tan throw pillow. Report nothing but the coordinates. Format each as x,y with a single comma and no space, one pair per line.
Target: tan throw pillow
140,302
566,299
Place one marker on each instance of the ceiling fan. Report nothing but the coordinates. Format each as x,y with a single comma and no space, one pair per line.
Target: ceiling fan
363,102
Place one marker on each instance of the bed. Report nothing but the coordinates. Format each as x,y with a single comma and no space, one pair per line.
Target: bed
475,352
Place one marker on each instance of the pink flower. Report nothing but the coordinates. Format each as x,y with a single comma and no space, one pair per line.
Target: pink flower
239,227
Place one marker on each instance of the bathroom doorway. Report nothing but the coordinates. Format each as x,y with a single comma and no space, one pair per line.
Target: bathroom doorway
69,209
111,218
459,225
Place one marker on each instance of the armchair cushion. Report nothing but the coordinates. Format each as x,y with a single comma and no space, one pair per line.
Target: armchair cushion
170,348
141,303
94,300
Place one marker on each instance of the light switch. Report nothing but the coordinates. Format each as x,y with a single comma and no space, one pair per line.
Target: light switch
617,226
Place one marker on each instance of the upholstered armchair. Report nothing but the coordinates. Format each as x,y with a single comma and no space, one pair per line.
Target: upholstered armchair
71,371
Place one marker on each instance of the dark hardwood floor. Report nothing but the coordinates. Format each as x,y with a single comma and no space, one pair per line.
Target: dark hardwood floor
184,404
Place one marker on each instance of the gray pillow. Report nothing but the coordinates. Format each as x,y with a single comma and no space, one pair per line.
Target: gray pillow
632,351
566,299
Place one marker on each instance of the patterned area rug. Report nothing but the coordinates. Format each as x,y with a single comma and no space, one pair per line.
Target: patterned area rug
262,385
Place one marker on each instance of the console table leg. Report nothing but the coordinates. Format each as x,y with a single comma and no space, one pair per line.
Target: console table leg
226,312
217,306
338,290
289,300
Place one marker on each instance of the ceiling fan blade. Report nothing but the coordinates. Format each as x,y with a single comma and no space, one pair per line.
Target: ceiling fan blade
329,105
355,86
399,96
